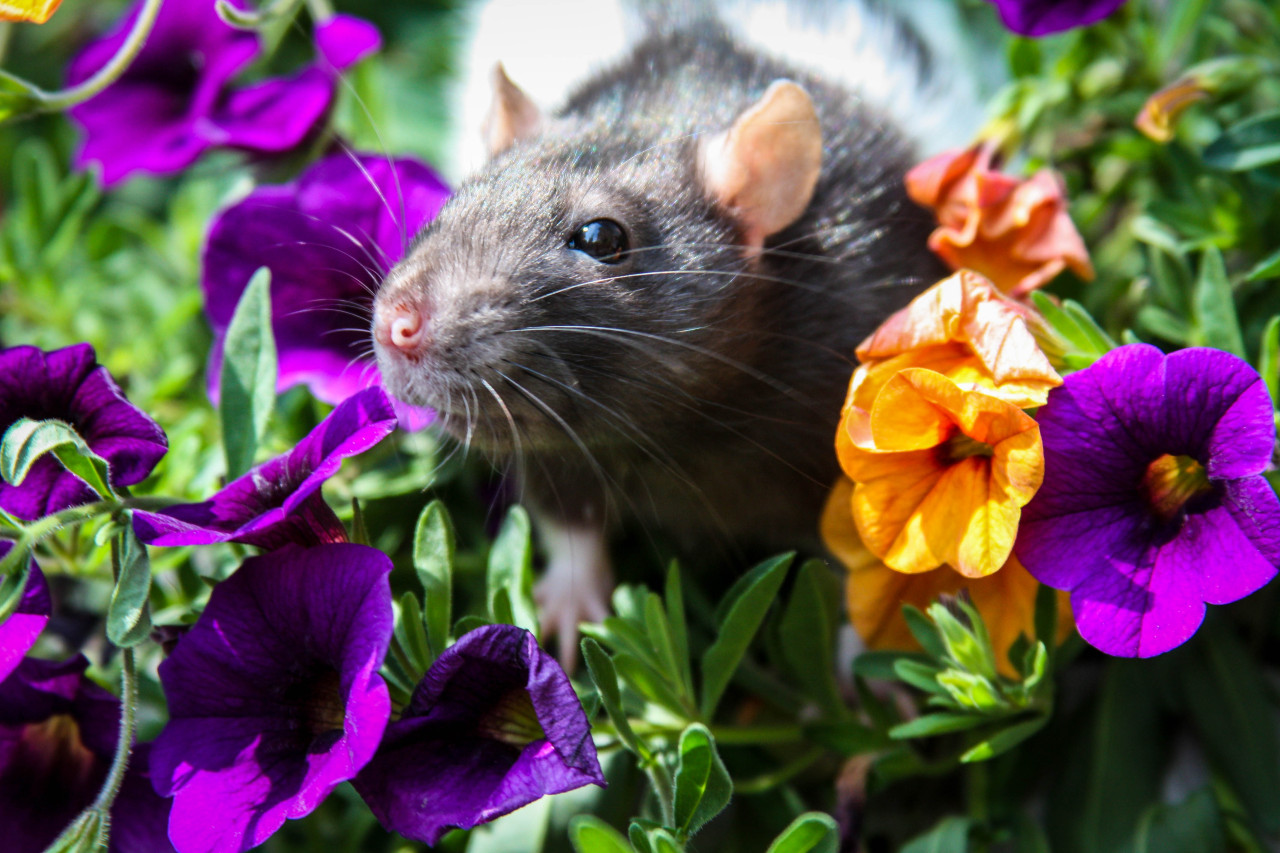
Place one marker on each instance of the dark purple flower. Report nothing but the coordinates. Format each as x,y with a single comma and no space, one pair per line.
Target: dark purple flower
68,385
18,633
175,101
279,501
329,239
1044,17
493,725
58,735
1153,501
274,695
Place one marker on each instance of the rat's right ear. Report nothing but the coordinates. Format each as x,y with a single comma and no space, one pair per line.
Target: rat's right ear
512,116
763,170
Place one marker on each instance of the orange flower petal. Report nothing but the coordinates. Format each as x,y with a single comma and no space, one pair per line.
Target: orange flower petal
35,11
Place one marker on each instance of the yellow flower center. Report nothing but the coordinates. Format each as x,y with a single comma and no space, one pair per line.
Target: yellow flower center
53,750
324,708
1171,481
513,720
960,447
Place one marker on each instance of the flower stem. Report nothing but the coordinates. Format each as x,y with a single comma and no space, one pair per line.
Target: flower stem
977,794
767,781
128,712
321,10
110,72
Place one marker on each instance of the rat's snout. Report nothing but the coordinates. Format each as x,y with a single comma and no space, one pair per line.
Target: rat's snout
401,326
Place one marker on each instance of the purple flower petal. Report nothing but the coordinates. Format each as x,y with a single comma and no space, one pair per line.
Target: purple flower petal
493,726
18,633
274,697
328,239
344,40
1139,577
274,115
279,501
68,385
57,738
1043,17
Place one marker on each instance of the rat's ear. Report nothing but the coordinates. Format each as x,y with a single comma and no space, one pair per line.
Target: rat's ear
512,116
764,168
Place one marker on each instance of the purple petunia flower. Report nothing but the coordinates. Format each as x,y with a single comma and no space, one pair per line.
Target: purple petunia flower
175,100
279,501
274,695
68,385
329,239
18,633
1153,500
493,725
1044,17
57,738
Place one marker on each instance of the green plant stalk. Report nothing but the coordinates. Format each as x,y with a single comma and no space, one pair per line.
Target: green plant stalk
321,10
42,528
767,781
109,73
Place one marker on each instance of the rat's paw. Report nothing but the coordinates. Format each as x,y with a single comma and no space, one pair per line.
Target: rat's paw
575,588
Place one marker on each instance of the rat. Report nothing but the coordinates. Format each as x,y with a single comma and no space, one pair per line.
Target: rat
647,301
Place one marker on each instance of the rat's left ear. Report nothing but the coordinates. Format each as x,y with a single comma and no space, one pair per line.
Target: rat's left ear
764,168
512,115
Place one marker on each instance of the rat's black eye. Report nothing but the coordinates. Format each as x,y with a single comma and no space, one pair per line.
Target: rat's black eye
602,239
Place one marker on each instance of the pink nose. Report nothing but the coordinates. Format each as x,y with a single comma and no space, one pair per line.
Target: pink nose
401,327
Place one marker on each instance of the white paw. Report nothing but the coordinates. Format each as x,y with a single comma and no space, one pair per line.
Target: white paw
575,588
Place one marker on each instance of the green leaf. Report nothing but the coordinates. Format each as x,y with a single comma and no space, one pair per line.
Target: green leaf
951,835
87,834
1269,359
847,737
664,645
1193,826
932,725
589,834
469,623
702,784
1046,616
1268,267
1225,694
14,584
359,530
881,665
18,98
925,632
638,833
247,385
650,682
411,633
128,621
969,646
1214,305
1100,342
433,556
922,676
605,678
511,569
1074,324
748,602
1004,740
807,632
677,623
1248,144
1164,324
26,441
812,832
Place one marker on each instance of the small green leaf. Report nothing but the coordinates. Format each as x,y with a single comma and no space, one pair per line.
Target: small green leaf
925,632
638,833
359,531
26,441
1269,359
589,834
433,555
750,600
1164,324
18,98
807,632
1004,740
679,629
13,585
87,834
932,725
469,623
951,835
664,646
921,675
521,831
1268,267
702,784
1214,305
967,646
605,678
812,832
1046,615
511,569
412,634
128,621
1193,826
1246,145
881,665
650,682
1100,342
247,385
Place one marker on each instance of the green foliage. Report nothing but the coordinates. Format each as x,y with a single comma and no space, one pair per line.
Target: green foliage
248,377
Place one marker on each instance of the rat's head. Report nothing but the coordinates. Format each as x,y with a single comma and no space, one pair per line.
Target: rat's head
587,282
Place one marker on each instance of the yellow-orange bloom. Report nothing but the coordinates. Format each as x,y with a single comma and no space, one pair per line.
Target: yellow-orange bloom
876,593
36,11
963,328
942,473
1016,233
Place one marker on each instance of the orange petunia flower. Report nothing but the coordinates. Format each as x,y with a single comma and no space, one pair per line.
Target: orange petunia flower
963,328
876,593
35,11
942,473
1016,233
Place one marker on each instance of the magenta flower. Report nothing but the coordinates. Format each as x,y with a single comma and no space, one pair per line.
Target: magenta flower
18,633
1153,501
68,385
57,738
279,501
1044,17
274,694
329,239
176,100
493,726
